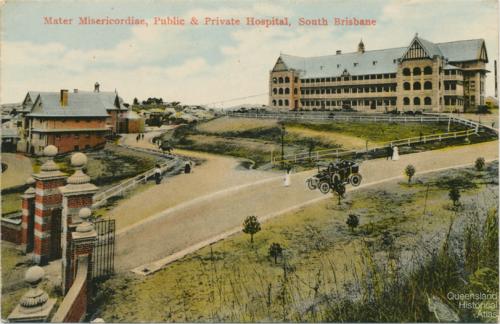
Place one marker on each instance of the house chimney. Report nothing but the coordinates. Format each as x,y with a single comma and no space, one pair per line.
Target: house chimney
338,52
64,98
96,87
75,90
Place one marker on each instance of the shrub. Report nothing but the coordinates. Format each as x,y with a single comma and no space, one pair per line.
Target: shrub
454,195
251,226
275,251
479,164
352,221
410,172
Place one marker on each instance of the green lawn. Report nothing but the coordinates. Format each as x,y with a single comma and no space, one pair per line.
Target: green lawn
255,139
325,264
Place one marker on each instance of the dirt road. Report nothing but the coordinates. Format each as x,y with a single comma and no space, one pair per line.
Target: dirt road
18,169
192,223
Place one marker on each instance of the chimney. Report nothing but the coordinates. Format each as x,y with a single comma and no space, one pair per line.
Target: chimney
64,98
75,90
338,52
96,87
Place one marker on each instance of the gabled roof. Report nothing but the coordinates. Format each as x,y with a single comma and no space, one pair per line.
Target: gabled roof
460,51
386,60
431,48
335,65
80,104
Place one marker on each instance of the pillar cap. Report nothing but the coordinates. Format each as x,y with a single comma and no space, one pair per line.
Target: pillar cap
30,181
34,274
50,151
78,160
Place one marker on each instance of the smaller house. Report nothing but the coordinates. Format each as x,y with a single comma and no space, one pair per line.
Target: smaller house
71,121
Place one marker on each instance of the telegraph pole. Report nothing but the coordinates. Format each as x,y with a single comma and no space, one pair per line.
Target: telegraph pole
282,143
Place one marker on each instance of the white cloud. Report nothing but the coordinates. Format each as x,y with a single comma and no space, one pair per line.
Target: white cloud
178,63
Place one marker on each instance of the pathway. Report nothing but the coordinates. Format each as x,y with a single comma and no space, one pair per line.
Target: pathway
191,224
19,169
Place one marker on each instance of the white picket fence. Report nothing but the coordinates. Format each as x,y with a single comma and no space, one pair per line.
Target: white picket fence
336,153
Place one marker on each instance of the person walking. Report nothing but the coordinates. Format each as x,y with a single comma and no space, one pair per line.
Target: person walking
395,153
157,174
389,152
287,177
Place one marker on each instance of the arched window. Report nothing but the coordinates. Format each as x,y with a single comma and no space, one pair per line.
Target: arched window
406,71
406,101
280,91
428,100
280,102
280,80
417,71
287,91
427,70
295,90
406,86
274,102
428,85
287,79
416,101
275,91
286,102
417,86
275,80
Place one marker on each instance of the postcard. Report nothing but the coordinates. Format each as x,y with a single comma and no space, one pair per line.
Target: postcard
249,161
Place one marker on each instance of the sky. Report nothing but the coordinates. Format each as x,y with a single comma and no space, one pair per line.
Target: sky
218,66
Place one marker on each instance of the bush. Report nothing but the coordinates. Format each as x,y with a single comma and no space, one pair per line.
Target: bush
352,221
479,164
410,172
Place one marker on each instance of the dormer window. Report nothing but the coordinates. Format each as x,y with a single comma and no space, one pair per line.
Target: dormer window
338,66
374,62
355,64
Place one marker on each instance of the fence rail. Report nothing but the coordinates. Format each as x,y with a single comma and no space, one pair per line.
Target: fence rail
101,197
344,117
329,153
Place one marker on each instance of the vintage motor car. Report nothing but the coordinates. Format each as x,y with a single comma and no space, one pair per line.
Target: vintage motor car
339,172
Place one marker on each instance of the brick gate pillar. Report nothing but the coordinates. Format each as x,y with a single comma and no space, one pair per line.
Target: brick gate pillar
47,203
83,241
28,217
77,197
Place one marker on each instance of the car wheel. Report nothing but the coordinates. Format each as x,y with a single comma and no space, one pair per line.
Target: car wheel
356,179
311,185
324,187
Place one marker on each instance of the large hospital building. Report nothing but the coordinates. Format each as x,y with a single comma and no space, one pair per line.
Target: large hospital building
424,76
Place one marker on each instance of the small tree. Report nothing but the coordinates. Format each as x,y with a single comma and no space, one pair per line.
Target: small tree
479,164
410,172
136,101
275,251
251,226
339,189
352,221
454,195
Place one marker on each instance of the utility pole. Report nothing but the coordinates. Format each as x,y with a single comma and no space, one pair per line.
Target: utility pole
282,143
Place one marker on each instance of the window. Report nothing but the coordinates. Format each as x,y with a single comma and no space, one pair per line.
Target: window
287,91
280,80
280,91
295,91
275,80
355,64
427,70
286,102
406,86
406,71
416,101
428,85
427,101
274,102
280,102
417,86
417,71
295,79
275,91
287,79
406,101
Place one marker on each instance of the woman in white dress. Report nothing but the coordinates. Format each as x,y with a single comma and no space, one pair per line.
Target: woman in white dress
287,177
395,154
